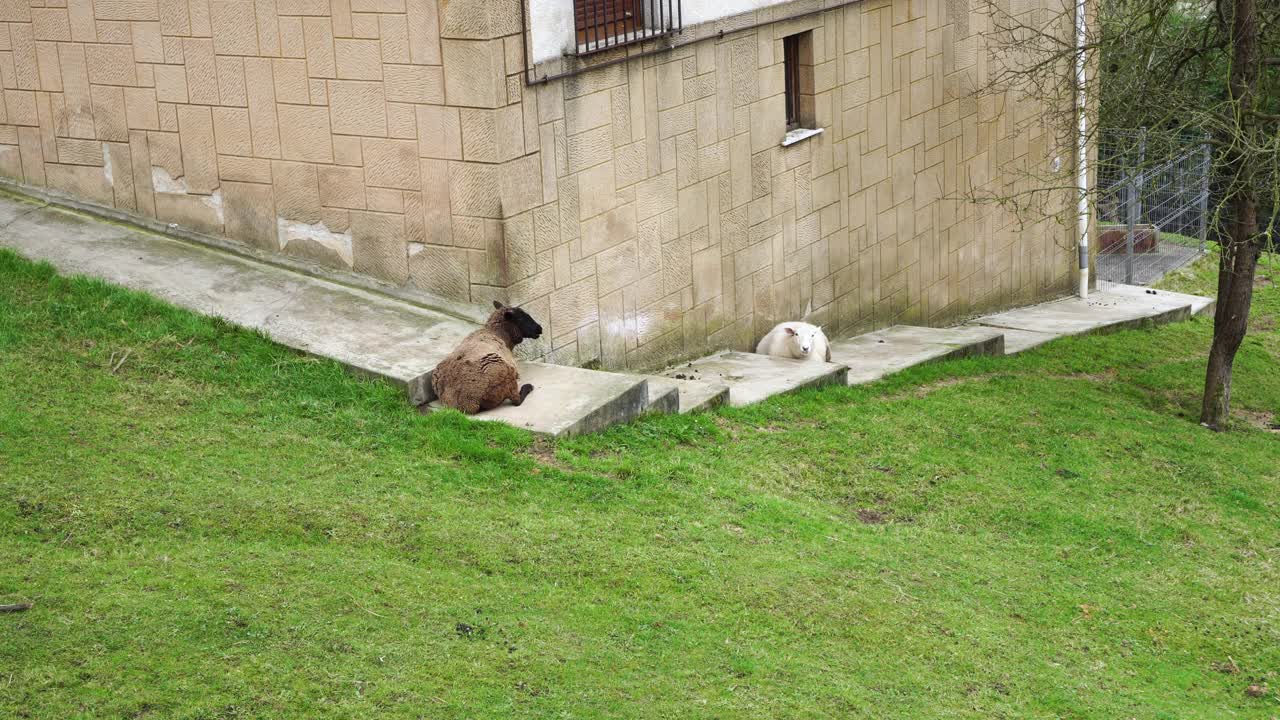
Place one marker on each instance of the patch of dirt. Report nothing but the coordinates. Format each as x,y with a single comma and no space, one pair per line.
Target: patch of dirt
729,427
1260,419
1262,323
872,517
1226,667
544,451
1107,375
927,389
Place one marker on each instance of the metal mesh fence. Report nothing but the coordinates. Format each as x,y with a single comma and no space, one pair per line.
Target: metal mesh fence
1153,204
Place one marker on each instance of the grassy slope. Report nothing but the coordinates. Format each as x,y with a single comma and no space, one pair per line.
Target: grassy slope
223,528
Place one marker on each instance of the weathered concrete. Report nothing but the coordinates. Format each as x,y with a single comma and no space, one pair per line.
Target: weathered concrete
1016,341
370,333
388,337
1118,307
663,399
883,352
1199,305
572,401
686,396
365,331
1102,312
752,378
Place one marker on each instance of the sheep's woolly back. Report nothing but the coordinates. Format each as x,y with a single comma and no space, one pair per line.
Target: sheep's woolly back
779,343
481,373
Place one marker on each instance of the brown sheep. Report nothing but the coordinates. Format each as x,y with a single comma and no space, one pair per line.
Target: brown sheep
481,372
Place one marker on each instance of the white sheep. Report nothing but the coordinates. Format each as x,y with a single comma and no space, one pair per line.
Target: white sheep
797,340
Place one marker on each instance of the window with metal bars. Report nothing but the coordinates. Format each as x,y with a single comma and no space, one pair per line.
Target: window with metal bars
797,53
603,24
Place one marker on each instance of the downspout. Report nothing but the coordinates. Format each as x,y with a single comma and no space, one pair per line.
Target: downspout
1082,151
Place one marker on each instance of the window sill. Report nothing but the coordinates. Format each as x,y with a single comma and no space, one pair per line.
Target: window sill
619,39
794,136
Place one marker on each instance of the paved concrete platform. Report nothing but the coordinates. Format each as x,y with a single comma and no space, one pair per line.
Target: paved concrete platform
571,401
388,337
365,331
369,333
884,352
752,378
1016,341
670,394
1199,305
663,399
1118,308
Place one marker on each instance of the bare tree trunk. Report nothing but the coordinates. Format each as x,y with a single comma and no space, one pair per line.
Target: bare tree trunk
1229,325
1240,258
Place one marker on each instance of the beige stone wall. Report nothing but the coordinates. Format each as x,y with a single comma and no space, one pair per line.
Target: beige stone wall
641,211
316,128
674,221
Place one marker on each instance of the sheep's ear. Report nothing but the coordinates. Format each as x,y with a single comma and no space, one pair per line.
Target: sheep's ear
497,305
790,331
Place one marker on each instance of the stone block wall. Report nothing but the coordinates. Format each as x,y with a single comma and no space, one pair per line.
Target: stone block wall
642,211
673,221
313,128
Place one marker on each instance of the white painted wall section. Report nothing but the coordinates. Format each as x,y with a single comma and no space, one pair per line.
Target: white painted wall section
551,21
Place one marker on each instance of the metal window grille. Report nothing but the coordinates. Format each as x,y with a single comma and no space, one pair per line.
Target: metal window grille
603,24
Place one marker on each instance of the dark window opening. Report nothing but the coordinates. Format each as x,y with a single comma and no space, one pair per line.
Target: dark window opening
797,52
603,24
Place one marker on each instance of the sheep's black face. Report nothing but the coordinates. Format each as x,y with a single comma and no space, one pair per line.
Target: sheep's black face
520,324
527,326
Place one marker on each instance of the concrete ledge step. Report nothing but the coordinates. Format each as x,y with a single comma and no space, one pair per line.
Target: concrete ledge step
752,378
1016,341
877,354
1107,311
1200,305
663,399
680,395
571,401
371,334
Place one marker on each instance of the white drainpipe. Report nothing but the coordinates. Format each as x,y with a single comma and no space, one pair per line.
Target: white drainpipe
1082,151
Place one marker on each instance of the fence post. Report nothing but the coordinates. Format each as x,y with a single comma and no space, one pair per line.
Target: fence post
1131,206
1134,205
1205,166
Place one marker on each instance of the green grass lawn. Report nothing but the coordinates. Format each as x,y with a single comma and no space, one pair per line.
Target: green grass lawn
217,527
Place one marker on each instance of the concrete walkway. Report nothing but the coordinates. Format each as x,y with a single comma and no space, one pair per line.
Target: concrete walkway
1118,307
866,358
752,378
370,333
364,331
385,336
884,352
